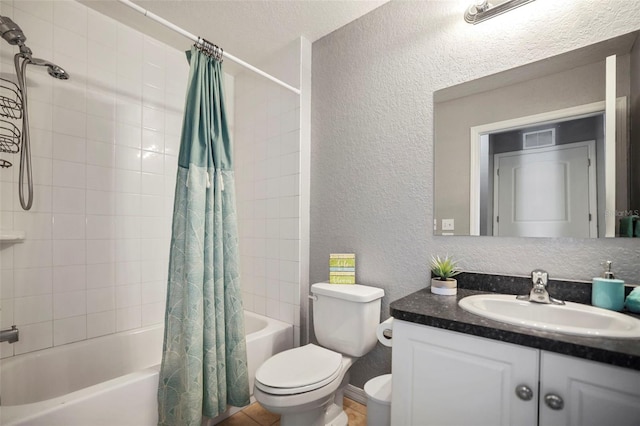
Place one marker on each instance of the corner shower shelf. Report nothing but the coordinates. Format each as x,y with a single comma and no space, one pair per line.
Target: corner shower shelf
9,236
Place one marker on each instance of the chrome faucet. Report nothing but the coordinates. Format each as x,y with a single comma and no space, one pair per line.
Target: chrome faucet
10,335
539,293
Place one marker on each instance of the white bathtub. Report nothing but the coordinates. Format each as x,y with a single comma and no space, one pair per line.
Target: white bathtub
110,380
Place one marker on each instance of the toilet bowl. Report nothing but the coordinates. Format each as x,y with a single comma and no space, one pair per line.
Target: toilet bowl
305,385
303,395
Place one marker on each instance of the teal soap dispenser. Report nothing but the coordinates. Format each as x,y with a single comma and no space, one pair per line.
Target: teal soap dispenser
608,292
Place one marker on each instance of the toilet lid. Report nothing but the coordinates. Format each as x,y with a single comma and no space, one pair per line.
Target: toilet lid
299,370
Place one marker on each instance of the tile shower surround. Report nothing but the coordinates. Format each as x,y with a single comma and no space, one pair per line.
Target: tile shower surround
104,147
268,189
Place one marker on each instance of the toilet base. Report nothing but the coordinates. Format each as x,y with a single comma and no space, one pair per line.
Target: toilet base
333,415
336,416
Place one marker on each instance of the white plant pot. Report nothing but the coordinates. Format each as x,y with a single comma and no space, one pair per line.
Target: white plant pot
444,288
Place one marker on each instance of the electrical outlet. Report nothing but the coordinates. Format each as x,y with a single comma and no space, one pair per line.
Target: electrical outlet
447,225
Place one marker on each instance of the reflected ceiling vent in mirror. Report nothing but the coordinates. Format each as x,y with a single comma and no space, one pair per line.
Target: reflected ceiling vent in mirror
539,139
481,10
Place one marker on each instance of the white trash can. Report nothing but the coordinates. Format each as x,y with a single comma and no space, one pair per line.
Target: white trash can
378,392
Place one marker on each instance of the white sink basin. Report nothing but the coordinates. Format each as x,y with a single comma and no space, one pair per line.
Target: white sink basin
571,318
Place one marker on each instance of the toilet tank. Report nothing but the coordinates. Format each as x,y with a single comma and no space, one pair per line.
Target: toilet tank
345,317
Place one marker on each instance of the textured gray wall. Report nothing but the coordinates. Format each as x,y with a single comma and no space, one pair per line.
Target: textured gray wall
372,141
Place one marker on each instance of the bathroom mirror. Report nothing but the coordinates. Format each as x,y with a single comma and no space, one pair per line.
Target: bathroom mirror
549,149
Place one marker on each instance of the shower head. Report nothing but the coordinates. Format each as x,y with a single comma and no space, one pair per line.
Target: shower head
58,72
53,69
11,32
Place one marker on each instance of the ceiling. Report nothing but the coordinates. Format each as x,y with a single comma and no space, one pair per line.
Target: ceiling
249,30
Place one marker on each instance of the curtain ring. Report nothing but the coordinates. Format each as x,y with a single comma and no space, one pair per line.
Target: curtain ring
209,49
219,53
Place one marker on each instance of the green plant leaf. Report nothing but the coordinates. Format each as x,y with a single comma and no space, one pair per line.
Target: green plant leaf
444,268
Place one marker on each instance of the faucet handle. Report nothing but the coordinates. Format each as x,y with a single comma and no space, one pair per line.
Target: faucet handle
538,276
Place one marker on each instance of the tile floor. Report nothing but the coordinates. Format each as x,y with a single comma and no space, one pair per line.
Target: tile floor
255,415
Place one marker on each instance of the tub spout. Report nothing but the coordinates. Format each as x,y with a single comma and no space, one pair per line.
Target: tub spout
10,335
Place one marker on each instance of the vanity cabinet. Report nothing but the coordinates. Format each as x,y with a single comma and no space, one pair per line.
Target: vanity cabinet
442,378
592,393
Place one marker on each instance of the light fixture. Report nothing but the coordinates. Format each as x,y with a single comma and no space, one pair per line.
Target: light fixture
481,10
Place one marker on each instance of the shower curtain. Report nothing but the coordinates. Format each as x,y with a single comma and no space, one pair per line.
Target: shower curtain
204,360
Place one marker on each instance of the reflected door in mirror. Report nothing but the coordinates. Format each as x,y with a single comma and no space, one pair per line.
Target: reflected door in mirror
545,191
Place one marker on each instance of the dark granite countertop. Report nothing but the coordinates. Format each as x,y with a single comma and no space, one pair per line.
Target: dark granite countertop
424,307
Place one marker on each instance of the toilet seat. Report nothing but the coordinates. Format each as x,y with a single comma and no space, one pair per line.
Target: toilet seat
298,370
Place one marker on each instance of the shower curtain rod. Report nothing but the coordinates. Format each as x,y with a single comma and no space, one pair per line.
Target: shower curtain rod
196,39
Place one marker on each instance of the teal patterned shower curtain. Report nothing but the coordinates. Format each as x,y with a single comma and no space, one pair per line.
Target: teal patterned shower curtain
204,360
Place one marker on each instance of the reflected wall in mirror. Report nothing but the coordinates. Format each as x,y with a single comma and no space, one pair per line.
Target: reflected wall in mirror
549,149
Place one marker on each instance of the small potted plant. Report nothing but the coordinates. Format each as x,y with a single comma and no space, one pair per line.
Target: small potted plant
443,270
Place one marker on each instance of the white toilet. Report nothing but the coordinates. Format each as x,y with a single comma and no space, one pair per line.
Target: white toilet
305,385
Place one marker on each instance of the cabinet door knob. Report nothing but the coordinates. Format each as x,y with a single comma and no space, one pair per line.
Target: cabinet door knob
524,392
554,401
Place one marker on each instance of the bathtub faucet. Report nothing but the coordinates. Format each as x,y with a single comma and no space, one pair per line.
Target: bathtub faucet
10,335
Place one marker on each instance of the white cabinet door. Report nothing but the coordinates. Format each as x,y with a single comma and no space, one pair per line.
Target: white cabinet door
447,378
592,393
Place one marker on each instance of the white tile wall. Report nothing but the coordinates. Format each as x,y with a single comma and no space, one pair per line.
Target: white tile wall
104,147
268,187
